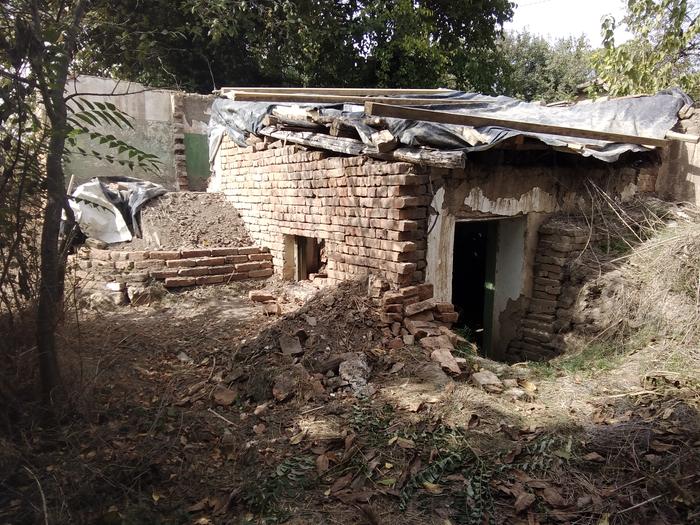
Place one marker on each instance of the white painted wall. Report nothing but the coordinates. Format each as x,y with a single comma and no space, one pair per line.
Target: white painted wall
510,272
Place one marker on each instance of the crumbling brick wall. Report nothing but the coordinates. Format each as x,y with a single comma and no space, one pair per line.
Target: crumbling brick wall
370,214
549,312
125,275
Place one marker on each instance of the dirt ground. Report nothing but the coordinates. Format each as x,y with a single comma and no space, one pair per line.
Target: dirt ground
188,220
189,411
201,408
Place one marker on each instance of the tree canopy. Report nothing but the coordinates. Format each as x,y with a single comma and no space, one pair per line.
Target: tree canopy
664,50
535,69
201,44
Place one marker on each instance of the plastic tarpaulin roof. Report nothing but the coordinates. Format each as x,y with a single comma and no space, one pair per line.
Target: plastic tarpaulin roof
649,116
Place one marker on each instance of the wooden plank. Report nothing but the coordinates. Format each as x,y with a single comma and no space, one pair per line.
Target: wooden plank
384,110
683,137
284,98
427,157
360,92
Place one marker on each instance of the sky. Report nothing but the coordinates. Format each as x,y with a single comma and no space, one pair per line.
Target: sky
561,18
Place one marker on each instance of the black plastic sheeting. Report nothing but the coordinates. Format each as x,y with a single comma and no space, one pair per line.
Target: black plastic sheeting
649,116
130,200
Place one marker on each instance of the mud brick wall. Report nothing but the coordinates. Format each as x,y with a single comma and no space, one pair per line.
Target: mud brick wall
127,273
550,309
370,214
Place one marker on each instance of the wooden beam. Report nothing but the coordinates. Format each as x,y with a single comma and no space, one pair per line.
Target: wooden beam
683,137
384,110
307,98
360,92
427,157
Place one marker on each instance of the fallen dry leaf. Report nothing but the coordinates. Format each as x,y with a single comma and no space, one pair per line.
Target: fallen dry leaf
296,439
405,443
660,446
322,464
341,482
524,501
552,496
433,488
199,506
594,456
396,367
224,396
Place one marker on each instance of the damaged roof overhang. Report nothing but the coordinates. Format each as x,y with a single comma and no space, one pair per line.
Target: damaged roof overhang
439,127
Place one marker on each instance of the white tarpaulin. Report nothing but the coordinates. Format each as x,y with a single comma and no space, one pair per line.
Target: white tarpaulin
97,217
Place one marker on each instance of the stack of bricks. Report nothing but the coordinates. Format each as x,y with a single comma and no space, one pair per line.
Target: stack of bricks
549,312
370,214
118,270
411,311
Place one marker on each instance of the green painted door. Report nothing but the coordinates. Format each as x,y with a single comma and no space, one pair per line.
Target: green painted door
197,158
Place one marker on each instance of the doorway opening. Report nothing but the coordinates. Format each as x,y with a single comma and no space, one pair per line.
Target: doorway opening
473,274
305,257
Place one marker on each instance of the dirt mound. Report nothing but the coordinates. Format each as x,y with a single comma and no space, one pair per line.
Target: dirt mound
189,220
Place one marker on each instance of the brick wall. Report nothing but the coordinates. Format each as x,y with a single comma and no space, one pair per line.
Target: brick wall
370,214
554,293
127,273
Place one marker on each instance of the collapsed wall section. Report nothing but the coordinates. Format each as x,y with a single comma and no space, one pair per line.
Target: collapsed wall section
371,215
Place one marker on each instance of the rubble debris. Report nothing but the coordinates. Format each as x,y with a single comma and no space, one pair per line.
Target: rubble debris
290,345
488,381
283,387
355,371
446,360
261,296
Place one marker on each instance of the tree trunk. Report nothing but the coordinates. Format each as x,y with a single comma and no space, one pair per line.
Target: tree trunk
50,307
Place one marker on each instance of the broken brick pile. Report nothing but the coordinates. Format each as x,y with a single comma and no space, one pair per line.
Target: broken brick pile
370,214
411,315
127,273
551,305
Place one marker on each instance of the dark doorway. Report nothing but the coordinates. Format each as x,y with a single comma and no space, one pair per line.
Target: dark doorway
309,257
472,279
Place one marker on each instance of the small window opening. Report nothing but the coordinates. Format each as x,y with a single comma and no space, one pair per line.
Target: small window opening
306,258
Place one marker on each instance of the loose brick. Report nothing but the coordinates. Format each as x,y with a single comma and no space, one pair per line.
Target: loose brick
148,264
220,270
162,274
194,272
210,261
137,256
255,274
200,252
236,259
418,307
224,251
181,263
176,282
164,255
248,250
247,267
210,279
